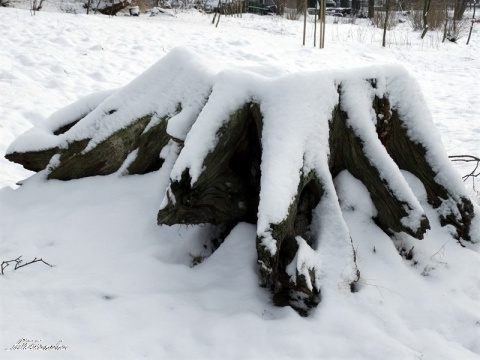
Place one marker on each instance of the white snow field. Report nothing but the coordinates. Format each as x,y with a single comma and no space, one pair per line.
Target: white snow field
123,287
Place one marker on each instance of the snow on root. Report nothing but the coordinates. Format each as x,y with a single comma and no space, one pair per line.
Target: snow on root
266,151
176,87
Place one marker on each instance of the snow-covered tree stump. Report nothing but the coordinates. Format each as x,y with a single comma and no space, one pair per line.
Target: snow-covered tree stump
243,148
112,7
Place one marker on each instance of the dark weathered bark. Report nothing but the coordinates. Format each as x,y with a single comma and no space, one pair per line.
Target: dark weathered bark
346,151
229,191
106,157
410,156
38,160
273,273
33,160
149,146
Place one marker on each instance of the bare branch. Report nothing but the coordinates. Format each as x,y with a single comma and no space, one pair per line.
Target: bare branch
464,158
18,263
467,159
5,264
18,266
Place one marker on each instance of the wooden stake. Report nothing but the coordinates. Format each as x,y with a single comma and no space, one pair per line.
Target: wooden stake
315,26
304,22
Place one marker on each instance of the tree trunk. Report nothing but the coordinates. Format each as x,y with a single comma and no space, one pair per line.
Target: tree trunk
371,9
385,24
459,10
355,6
472,23
426,8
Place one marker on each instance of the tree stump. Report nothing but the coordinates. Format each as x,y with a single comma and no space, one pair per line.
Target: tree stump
112,7
266,152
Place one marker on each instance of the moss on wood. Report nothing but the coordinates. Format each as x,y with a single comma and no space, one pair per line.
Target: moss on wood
103,159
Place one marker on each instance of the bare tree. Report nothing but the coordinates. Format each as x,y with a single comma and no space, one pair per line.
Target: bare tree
280,5
453,29
371,9
459,9
356,6
426,8
472,23
36,5
385,25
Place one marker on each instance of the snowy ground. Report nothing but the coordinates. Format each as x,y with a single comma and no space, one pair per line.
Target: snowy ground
123,288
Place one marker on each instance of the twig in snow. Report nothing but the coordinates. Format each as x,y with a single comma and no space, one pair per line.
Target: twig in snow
353,284
468,158
18,263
